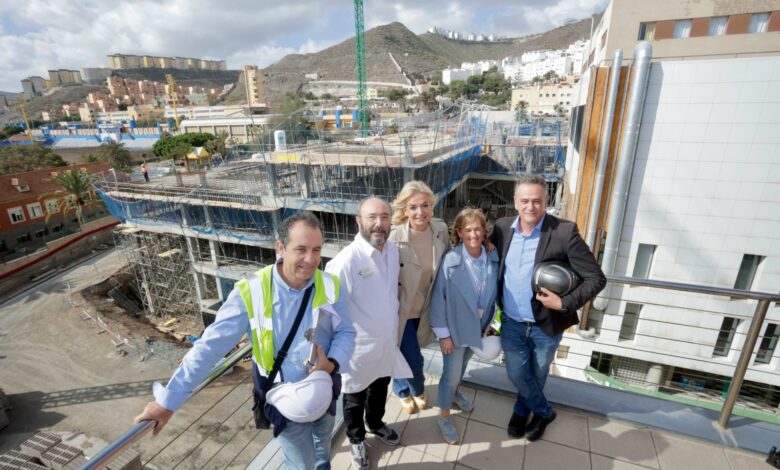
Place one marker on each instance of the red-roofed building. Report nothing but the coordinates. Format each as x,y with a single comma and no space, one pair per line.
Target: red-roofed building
25,200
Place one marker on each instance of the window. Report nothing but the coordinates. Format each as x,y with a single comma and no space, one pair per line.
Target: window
57,228
41,233
682,29
630,320
747,271
594,320
52,206
718,25
16,214
35,210
646,31
758,23
644,261
563,352
23,239
602,362
768,343
725,337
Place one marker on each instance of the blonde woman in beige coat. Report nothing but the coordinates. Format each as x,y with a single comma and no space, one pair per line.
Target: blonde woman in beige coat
422,242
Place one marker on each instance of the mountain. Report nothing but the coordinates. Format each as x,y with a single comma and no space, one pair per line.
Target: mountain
422,56
204,78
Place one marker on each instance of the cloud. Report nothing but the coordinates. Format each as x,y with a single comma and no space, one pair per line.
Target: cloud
38,35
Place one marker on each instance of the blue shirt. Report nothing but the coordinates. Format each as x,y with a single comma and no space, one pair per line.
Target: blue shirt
334,333
518,269
477,269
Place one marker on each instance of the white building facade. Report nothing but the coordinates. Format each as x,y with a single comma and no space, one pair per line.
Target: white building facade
703,208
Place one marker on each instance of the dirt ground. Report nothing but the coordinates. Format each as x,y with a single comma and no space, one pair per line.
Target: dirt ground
63,373
144,337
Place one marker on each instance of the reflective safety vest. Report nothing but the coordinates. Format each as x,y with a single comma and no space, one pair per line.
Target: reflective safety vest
257,294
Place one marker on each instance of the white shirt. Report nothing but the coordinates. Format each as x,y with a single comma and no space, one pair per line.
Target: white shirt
369,284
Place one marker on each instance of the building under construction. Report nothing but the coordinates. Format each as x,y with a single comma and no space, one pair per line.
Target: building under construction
191,236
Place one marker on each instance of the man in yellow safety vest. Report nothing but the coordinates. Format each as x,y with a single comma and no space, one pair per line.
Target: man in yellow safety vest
264,307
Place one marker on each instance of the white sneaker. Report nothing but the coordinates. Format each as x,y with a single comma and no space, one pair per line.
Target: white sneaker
359,456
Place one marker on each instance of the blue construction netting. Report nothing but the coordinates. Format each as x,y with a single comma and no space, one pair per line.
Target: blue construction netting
328,188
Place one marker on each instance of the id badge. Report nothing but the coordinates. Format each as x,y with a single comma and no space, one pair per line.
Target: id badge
480,312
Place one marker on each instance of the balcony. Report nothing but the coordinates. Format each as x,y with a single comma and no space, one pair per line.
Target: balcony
598,426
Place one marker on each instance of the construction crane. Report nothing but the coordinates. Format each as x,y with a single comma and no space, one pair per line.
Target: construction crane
22,107
174,98
360,61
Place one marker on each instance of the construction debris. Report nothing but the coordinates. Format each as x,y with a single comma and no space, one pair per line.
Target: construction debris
44,451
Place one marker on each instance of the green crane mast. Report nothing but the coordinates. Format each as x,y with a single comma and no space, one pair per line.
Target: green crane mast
360,61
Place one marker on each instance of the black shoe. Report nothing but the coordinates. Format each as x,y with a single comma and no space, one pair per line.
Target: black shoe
516,427
537,425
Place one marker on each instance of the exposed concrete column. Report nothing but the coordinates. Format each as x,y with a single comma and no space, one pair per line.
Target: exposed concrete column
408,175
213,251
460,195
198,277
270,170
276,220
304,180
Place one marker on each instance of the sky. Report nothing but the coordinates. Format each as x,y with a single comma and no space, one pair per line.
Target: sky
39,35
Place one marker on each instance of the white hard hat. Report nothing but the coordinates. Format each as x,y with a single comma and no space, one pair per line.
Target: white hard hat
304,401
491,347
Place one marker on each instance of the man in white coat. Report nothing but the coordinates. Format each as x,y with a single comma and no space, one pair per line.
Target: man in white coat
368,270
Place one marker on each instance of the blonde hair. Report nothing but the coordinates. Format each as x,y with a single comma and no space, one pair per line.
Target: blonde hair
410,189
465,217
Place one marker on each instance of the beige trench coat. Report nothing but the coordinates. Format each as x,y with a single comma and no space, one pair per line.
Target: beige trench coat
409,276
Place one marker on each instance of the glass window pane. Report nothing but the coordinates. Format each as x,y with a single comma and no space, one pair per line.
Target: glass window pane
682,29
767,348
747,271
650,32
644,261
758,23
718,25
630,320
726,335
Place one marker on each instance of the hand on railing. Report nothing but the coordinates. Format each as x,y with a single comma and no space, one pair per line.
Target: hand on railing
156,413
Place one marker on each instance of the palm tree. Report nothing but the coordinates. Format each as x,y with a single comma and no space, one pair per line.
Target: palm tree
219,143
115,155
78,186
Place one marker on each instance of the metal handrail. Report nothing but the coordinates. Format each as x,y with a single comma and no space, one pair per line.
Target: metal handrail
108,453
764,298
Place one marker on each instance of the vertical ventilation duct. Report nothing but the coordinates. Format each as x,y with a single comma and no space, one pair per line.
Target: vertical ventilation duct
643,52
609,118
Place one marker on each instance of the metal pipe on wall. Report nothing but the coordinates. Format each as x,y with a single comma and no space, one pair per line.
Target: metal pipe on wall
643,52
609,118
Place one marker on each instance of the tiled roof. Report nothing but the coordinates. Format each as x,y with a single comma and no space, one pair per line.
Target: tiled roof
39,181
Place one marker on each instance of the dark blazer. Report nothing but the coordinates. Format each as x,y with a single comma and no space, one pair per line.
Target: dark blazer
559,241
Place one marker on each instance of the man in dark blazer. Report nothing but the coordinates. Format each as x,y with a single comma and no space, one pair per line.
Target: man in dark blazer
532,324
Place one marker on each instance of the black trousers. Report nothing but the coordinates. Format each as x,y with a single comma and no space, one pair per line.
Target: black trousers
370,401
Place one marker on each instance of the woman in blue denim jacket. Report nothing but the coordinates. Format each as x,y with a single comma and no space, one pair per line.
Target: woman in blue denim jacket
463,303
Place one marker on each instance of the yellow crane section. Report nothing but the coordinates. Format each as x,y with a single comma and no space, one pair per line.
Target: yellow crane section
174,98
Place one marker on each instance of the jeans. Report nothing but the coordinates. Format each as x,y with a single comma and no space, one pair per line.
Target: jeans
528,352
307,445
372,401
454,365
410,349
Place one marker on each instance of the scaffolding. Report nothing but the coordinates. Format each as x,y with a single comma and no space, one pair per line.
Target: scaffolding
160,265
190,235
